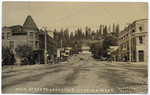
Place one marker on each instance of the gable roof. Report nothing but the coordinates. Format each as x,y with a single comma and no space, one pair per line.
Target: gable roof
29,23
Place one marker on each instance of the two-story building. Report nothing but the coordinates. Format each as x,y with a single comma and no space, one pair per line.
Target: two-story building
28,34
133,42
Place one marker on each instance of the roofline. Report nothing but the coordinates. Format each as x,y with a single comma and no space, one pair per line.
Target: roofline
133,23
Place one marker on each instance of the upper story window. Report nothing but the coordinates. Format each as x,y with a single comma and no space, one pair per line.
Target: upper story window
36,44
122,46
133,31
32,43
3,36
127,45
126,35
52,43
37,36
140,39
140,28
8,36
133,41
11,43
31,35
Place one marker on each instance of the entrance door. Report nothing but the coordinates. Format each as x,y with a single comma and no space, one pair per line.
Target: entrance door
141,56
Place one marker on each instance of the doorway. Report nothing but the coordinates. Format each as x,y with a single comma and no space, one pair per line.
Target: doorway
141,56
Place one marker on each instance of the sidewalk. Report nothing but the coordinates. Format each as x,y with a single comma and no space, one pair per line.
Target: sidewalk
128,63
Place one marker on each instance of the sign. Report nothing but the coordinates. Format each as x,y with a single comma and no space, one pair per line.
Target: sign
59,51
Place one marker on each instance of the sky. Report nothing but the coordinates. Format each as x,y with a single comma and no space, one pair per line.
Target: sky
73,15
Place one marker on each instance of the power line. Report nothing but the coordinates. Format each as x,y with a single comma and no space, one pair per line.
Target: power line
70,14
77,26
111,14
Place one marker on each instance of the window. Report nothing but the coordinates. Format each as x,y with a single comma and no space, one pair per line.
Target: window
140,39
134,56
8,36
37,36
126,35
133,31
31,43
36,44
11,43
140,28
31,35
51,43
141,55
3,35
125,46
133,41
121,46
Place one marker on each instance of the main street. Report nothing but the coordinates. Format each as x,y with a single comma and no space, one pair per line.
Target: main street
77,76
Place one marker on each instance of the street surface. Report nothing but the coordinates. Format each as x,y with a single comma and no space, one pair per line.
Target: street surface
77,76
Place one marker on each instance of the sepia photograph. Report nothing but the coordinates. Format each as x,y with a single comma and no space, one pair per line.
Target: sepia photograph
52,47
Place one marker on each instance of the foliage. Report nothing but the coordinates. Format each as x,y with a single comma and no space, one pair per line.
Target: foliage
7,56
25,53
109,41
80,36
97,50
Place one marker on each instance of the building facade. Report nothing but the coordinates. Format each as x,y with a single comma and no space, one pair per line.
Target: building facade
63,53
133,42
27,34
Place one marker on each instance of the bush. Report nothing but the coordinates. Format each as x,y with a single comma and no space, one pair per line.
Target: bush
26,54
7,56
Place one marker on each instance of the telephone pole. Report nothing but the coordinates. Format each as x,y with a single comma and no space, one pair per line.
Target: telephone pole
45,51
61,51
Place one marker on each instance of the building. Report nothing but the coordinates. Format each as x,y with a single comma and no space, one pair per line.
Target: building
113,52
86,49
133,42
28,34
63,53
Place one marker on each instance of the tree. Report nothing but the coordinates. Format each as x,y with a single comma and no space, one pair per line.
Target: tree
7,56
109,41
105,32
97,50
114,28
117,30
26,54
100,29
109,30
87,32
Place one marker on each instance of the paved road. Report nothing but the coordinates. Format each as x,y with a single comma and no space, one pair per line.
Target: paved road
85,76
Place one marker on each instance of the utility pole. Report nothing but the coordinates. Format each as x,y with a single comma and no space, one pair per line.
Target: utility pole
45,51
61,51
